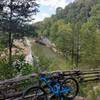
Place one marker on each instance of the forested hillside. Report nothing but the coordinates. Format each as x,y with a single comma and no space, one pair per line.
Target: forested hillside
76,32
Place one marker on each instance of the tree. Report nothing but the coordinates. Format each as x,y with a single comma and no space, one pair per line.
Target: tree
16,13
59,13
90,38
61,34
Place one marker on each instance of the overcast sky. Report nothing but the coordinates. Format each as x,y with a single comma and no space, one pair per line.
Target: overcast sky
48,7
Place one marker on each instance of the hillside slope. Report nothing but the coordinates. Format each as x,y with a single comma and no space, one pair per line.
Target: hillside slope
49,60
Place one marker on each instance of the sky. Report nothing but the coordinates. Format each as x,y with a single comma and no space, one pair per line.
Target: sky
48,7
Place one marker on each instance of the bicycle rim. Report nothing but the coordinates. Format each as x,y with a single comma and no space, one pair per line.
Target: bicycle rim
73,84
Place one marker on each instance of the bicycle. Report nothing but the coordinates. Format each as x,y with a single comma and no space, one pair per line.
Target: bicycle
54,88
60,86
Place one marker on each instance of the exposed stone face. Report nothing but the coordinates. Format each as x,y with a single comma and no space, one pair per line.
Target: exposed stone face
23,46
79,98
98,98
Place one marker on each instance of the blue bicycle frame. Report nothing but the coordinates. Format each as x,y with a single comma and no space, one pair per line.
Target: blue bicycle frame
58,88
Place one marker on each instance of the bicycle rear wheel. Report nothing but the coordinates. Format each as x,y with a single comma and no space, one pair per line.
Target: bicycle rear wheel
34,93
72,84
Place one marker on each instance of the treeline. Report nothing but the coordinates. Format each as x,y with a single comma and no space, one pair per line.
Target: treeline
76,32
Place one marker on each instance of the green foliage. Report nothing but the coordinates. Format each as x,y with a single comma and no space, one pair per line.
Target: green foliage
19,67
90,90
61,34
90,39
5,70
27,69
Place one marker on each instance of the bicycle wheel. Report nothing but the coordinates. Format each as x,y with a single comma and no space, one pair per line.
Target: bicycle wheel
72,84
34,93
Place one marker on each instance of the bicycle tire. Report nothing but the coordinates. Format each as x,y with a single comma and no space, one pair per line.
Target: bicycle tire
69,95
32,89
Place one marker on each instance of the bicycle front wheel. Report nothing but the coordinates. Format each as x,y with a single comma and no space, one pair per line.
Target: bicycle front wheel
34,93
73,87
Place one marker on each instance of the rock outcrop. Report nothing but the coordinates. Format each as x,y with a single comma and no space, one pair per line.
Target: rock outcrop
79,98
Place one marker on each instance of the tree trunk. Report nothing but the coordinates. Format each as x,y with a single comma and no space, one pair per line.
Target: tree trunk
10,36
